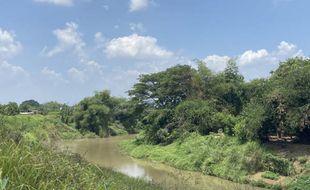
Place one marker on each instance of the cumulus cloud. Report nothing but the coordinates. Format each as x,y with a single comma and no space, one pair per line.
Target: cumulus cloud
8,44
255,64
57,2
69,38
250,56
136,5
136,47
216,62
10,74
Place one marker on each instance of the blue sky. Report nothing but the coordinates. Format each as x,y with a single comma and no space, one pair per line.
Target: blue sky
65,50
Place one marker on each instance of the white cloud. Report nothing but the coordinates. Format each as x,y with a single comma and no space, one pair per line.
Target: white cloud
8,44
69,38
136,5
216,63
57,2
137,27
250,56
286,49
136,47
9,71
255,64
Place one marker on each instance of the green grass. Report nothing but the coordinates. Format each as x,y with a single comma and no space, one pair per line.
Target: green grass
28,161
36,167
302,159
271,175
37,128
213,155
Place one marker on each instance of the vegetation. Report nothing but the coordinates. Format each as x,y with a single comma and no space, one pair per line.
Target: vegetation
103,115
215,155
271,175
190,118
182,99
27,161
229,118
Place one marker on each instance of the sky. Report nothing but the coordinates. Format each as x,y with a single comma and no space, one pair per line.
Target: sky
65,50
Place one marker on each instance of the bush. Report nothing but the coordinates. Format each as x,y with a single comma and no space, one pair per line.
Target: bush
302,159
270,175
276,164
221,156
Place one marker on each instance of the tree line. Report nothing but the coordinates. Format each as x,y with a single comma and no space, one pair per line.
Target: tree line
169,104
182,100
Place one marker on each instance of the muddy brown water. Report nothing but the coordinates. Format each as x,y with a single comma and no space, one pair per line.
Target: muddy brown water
106,153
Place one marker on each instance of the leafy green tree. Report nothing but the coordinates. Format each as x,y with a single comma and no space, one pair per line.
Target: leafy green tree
196,115
11,109
159,126
164,89
52,106
92,116
251,123
29,105
66,113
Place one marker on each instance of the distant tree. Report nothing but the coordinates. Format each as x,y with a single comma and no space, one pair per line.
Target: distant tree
29,105
52,106
91,115
11,109
164,89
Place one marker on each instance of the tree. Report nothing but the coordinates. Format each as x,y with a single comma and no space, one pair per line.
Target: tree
90,115
196,115
164,89
29,105
66,113
11,109
52,106
251,123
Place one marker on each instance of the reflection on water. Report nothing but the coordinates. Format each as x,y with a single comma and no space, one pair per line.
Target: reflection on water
105,152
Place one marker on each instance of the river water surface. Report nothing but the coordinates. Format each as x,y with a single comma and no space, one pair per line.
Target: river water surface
106,153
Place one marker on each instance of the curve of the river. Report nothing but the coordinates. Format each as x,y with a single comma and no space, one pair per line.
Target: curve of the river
106,153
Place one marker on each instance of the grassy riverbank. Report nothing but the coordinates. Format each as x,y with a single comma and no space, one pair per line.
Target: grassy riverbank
28,161
223,157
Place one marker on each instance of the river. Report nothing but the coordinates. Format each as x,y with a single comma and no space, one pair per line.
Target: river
106,153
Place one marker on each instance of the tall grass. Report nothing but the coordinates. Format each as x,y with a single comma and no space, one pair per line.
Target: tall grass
35,167
214,155
28,162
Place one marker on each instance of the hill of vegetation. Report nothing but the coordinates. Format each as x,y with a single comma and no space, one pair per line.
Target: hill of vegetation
29,161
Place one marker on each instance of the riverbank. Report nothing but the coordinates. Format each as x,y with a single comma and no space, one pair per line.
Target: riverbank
105,152
29,161
223,157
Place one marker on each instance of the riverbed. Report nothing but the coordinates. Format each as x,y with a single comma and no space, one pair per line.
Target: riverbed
106,153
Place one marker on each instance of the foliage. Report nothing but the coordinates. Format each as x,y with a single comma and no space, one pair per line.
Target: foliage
250,125
164,89
213,155
270,175
203,101
10,109
25,163
29,105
